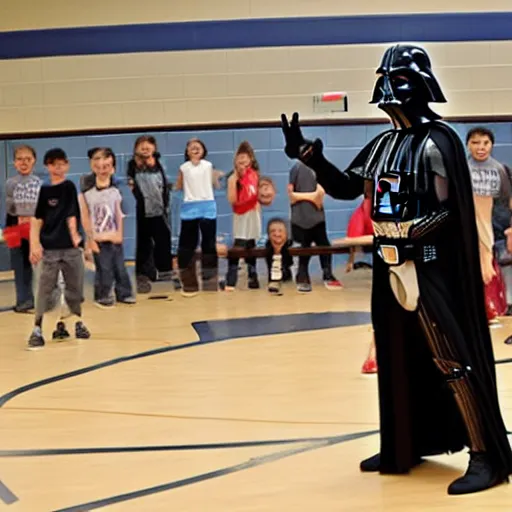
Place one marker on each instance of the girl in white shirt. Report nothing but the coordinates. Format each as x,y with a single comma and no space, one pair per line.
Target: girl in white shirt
198,214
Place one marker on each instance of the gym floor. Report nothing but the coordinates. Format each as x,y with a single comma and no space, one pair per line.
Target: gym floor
223,402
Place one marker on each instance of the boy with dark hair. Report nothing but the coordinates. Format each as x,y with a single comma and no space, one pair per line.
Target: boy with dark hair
490,181
95,156
102,217
54,244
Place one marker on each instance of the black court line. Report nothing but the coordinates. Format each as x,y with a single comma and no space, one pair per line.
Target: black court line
6,495
159,448
504,361
251,463
259,326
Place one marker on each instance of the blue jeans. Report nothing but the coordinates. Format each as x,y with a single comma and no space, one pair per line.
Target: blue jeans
110,271
22,275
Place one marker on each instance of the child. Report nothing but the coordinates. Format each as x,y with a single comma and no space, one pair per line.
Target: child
146,178
103,221
490,180
308,224
95,155
22,191
54,243
278,258
198,215
243,194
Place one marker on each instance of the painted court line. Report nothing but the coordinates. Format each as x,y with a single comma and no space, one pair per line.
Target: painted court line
211,332
251,463
158,448
6,495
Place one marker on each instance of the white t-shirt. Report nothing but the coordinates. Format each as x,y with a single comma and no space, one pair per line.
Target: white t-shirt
197,181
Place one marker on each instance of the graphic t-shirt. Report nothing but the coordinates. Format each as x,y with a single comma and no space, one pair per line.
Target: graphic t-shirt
21,195
489,178
56,204
103,204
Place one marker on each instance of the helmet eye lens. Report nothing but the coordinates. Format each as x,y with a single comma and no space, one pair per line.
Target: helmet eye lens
401,82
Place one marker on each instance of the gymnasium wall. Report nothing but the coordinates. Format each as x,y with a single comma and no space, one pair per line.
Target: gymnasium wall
163,65
342,144
67,67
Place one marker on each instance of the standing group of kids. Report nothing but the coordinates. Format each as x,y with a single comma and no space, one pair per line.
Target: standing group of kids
53,231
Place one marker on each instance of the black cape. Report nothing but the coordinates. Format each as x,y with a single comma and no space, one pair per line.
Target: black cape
418,413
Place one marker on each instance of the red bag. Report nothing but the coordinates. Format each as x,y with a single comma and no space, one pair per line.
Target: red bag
247,193
495,298
14,234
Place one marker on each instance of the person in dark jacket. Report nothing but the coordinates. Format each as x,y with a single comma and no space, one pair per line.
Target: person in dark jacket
147,180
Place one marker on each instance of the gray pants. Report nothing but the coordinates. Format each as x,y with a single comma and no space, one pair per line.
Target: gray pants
70,263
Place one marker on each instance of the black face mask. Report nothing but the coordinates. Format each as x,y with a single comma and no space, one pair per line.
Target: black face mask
406,86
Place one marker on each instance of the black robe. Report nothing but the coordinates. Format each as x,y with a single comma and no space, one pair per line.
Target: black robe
418,412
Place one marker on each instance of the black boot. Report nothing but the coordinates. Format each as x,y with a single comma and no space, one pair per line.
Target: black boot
372,465
479,476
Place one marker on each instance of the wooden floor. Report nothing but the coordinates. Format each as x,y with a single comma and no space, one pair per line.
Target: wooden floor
188,428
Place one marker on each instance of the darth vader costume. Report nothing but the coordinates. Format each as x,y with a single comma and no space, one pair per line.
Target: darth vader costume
437,380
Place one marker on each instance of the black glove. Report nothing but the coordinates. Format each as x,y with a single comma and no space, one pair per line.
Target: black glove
296,145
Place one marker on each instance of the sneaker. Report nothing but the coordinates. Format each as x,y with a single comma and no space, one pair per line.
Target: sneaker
36,340
143,284
128,300
189,294
176,282
60,333
81,332
25,307
331,283
304,287
369,366
274,288
105,303
164,276
253,282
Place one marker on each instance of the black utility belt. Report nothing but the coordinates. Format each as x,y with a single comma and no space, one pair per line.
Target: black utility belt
396,251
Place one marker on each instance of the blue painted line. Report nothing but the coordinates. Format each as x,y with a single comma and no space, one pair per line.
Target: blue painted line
207,332
6,309
251,463
256,33
160,448
270,325
6,495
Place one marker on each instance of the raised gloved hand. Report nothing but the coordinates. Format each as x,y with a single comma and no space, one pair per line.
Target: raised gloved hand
296,145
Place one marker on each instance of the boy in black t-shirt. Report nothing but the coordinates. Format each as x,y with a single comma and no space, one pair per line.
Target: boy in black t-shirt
54,243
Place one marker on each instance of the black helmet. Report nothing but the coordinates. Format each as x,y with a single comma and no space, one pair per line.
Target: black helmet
406,84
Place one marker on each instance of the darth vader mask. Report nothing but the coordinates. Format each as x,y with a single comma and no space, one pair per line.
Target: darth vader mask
406,85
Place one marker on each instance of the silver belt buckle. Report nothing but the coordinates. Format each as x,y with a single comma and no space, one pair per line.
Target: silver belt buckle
389,253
